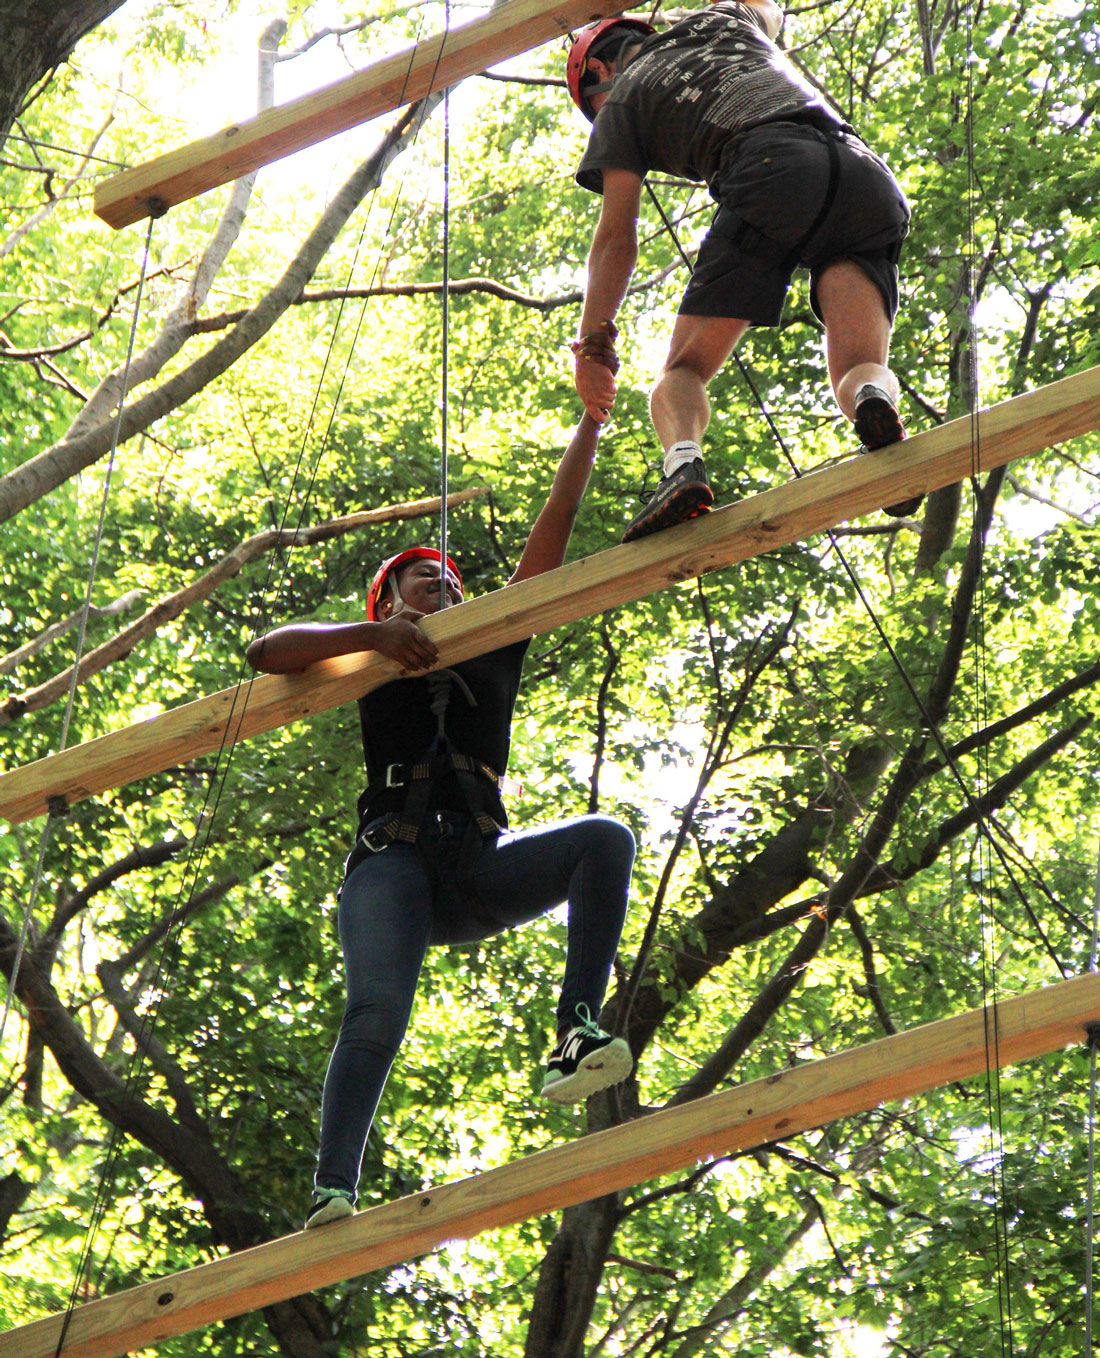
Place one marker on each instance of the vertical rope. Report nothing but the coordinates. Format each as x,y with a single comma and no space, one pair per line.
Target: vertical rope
81,633
82,628
444,430
1090,1183
933,728
1093,1030
28,914
987,925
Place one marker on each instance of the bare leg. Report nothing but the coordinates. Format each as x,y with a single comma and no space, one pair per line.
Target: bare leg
857,342
857,333
700,346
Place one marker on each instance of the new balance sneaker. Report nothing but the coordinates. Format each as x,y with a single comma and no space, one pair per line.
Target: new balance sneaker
329,1204
585,1060
683,495
878,424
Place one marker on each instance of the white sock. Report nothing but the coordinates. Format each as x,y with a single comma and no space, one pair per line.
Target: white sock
870,389
679,453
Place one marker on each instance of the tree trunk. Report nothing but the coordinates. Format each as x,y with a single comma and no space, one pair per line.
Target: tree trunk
301,1326
39,35
569,1279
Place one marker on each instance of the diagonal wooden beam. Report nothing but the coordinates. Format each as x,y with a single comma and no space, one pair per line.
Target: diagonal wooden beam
512,27
775,1108
1015,428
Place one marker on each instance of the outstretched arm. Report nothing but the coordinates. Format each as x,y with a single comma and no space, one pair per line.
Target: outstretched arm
611,262
549,537
301,644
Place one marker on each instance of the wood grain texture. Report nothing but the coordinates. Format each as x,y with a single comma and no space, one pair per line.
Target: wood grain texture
779,1106
441,60
1016,428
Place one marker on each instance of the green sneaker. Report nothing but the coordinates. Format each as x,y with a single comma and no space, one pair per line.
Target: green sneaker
585,1060
329,1204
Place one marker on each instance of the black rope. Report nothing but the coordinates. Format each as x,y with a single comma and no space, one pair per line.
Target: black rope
1092,1030
933,727
102,1197
988,927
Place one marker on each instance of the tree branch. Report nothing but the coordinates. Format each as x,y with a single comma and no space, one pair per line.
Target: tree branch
873,989
53,199
163,612
457,287
174,333
11,662
992,800
611,665
51,468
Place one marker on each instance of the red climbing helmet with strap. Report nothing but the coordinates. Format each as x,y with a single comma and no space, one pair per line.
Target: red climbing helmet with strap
576,64
383,573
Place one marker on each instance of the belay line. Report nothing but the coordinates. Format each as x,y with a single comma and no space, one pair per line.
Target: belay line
56,809
774,1108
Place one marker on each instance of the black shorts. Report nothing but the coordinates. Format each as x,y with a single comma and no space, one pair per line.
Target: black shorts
771,191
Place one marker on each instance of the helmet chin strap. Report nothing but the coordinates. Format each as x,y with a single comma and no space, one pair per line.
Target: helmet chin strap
395,595
621,62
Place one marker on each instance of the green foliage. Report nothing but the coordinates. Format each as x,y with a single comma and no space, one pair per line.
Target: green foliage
915,1197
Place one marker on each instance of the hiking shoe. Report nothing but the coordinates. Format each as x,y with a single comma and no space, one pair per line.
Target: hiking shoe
329,1204
585,1060
683,495
878,424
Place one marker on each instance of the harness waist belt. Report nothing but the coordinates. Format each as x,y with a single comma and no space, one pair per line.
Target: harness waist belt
399,775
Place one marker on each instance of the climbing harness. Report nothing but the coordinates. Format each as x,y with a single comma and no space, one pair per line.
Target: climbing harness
477,781
766,248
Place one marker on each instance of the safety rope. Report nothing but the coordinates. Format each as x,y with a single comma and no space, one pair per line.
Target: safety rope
171,946
949,759
1093,1032
985,834
987,922
54,814
446,318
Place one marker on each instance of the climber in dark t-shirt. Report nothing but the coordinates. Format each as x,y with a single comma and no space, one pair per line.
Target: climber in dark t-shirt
713,98
433,861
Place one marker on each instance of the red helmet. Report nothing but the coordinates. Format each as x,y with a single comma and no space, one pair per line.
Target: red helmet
383,573
576,63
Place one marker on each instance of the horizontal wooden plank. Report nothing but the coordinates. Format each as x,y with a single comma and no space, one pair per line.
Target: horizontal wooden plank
776,1108
1018,427
510,28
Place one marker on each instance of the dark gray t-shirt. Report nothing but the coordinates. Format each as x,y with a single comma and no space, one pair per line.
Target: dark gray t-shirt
690,91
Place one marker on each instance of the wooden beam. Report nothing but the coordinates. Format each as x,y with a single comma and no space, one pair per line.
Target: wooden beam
512,27
775,1108
1026,424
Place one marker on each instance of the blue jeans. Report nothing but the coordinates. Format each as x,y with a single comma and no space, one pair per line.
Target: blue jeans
398,901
